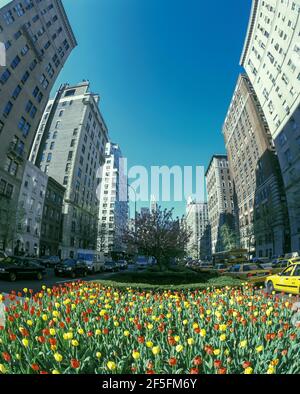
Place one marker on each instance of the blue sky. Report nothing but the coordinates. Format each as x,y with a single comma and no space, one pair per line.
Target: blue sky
165,71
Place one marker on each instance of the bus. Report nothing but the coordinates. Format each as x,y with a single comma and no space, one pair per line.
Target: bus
233,256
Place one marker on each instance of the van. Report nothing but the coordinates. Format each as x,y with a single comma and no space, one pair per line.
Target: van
92,259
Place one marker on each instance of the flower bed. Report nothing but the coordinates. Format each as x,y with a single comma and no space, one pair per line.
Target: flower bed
87,328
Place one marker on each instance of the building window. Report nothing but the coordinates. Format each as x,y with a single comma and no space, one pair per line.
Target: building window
7,109
15,62
16,92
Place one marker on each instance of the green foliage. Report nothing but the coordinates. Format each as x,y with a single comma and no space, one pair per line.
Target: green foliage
229,237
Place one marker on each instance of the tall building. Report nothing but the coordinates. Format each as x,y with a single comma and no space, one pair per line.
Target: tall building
69,147
38,40
153,204
31,201
262,212
113,212
221,200
271,58
197,221
51,225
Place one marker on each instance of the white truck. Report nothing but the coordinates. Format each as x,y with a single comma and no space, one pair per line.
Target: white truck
93,259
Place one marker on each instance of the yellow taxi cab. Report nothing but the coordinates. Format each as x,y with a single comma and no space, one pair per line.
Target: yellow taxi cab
287,281
251,272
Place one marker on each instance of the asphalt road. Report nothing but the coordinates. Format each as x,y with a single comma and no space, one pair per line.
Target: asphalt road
50,280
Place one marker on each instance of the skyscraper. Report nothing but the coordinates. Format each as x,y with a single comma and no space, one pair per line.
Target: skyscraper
70,147
113,210
220,197
262,212
271,58
196,219
38,39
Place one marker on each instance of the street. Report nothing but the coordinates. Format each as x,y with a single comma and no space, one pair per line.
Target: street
51,280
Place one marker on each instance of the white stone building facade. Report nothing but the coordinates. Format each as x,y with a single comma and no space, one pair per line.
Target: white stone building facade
220,199
271,58
70,147
197,221
31,202
113,207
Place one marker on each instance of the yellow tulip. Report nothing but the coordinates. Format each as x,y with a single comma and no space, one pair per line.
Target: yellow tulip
222,337
155,350
136,355
58,357
2,369
203,332
243,343
111,365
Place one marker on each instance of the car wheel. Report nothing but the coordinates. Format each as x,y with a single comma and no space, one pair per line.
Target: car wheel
12,277
39,276
270,287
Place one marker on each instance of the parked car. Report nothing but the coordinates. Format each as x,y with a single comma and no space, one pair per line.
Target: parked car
205,266
20,267
287,281
3,255
122,264
72,268
49,261
220,268
110,266
142,262
248,271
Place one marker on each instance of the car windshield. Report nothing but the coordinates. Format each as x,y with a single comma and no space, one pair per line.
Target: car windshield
68,262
